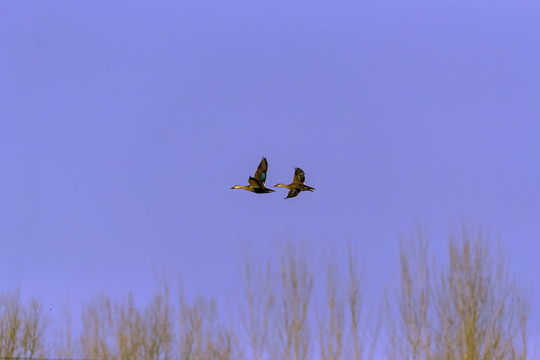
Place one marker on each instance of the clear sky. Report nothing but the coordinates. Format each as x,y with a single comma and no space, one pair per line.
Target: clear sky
124,124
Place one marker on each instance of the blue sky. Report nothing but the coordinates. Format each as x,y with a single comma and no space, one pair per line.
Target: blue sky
124,125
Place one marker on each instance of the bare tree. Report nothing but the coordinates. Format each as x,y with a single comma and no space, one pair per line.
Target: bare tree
121,331
294,294
63,339
482,311
332,318
413,339
343,329
276,312
471,309
259,296
21,327
202,336
129,330
355,303
158,326
32,343
97,325
10,323
365,328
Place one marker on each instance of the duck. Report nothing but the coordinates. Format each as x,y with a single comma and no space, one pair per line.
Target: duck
256,182
297,184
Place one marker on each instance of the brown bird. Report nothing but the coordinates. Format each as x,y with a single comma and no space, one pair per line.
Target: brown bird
256,182
297,184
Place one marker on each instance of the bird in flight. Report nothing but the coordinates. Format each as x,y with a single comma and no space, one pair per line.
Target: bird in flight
256,182
297,184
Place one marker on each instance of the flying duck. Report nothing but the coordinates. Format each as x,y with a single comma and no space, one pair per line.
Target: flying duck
256,182
297,184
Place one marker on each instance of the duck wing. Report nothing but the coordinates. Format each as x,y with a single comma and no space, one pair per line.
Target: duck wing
293,192
255,183
299,176
260,174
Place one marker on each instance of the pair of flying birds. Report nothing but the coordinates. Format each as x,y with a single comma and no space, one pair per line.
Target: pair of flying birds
256,182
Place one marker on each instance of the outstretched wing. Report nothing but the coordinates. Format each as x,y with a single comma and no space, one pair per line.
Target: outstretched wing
293,192
299,176
255,183
260,174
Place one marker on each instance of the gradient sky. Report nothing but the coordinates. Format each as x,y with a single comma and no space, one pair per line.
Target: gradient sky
124,124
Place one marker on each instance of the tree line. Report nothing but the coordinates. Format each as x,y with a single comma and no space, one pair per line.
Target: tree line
468,307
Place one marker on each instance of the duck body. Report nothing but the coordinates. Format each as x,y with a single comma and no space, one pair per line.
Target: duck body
297,185
258,186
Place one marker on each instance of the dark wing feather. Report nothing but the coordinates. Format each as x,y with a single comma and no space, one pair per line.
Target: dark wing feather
260,174
299,176
293,192
255,183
